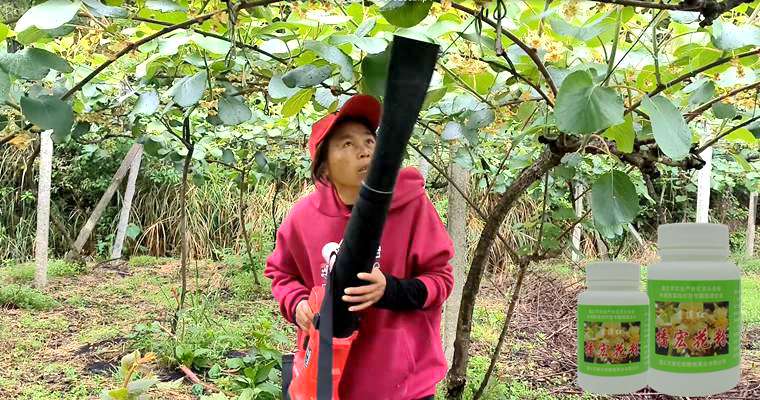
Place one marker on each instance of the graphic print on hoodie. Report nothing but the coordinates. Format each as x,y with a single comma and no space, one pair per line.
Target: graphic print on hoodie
398,354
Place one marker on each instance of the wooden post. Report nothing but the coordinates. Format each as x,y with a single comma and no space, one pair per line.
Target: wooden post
43,210
457,226
751,224
578,230
703,187
86,230
129,193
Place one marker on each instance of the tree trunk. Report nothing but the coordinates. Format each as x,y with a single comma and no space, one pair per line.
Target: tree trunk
43,210
523,266
602,251
129,193
751,224
425,167
636,234
703,188
241,211
578,230
86,230
183,222
458,374
457,227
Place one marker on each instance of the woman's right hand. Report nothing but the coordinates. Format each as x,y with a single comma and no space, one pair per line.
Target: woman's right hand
304,315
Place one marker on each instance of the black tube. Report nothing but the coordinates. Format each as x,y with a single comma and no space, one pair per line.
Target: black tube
409,71
411,66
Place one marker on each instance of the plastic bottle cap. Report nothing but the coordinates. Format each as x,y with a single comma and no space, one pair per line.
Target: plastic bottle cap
685,236
613,271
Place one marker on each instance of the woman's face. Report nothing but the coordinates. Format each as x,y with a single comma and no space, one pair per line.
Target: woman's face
349,151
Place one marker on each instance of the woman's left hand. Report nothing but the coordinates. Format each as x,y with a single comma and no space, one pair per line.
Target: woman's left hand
366,295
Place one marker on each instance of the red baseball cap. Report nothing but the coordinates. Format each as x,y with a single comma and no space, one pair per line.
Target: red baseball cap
360,105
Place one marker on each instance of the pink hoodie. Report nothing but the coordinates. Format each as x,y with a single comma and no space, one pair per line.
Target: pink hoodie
397,355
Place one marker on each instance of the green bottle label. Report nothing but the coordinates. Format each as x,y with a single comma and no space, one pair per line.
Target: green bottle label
612,340
696,325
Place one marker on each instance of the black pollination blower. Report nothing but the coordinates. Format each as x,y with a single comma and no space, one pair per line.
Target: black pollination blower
329,340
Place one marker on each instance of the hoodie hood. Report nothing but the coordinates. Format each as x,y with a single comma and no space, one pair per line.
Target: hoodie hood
409,185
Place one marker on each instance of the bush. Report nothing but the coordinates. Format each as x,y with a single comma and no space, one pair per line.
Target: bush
19,296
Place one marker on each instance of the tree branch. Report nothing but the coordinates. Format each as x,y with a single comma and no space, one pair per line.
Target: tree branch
699,110
548,159
216,36
512,253
127,49
709,9
531,52
726,133
694,73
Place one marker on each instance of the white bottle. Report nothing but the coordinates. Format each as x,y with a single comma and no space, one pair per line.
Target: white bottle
695,312
613,315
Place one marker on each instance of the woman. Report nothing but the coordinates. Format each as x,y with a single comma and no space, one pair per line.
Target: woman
398,353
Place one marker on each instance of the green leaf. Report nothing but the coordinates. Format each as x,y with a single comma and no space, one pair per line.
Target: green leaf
4,30
48,15
584,33
324,97
333,55
723,110
33,63
366,27
747,167
49,112
480,119
263,372
5,86
189,90
211,44
433,97
370,45
140,386
668,126
228,157
614,201
119,394
147,103
99,10
703,93
164,5
294,104
583,107
133,231
727,36
452,131
306,76
623,134
247,394
741,135
235,363
233,111
278,90
406,13
375,73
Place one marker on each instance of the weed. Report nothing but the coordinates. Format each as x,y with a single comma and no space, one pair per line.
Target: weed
19,296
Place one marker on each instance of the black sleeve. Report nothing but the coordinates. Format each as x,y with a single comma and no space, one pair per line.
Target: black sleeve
402,294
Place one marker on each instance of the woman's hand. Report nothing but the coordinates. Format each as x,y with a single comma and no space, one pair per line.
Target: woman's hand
366,295
304,315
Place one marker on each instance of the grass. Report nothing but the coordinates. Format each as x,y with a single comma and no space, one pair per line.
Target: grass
147,261
20,296
100,315
24,273
751,301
